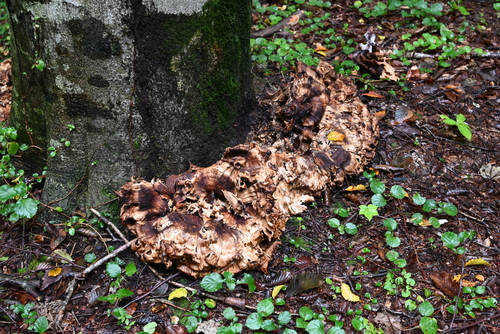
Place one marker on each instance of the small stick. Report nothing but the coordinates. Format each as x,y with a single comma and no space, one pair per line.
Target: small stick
71,286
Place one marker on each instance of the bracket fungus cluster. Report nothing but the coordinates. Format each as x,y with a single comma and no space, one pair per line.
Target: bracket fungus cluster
229,216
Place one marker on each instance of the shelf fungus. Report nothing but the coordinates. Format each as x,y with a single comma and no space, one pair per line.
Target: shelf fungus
229,216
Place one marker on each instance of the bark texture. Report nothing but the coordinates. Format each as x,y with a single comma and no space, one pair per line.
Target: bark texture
149,85
229,216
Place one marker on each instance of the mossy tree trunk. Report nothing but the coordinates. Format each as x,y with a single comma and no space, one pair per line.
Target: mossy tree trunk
149,85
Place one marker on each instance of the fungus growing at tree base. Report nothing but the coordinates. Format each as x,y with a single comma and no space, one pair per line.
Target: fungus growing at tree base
230,216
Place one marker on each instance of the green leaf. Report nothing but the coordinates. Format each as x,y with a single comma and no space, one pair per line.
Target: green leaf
336,330
391,240
229,313
150,328
448,208
426,309
268,325
191,323
351,228
113,270
434,222
90,257
254,321
7,192
428,325
450,239
284,317
12,148
212,282
369,211
391,224
130,269
123,293
40,325
26,208
377,187
418,199
417,218
316,326
465,130
429,205
334,222
398,192
379,200
392,255
248,279
265,307
306,313
448,120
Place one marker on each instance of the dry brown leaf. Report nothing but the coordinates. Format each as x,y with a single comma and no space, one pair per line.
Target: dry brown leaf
480,277
469,283
374,94
347,293
445,283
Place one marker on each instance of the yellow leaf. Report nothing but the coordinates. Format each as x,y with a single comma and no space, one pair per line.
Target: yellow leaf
276,290
178,293
63,254
359,187
321,53
347,293
335,136
56,271
477,262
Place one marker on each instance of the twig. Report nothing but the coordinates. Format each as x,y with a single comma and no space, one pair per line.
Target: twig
289,21
71,286
26,284
109,223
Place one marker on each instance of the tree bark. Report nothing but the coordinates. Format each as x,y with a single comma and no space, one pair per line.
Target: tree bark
149,85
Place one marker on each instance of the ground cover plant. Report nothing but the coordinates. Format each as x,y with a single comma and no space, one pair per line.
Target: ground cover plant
411,245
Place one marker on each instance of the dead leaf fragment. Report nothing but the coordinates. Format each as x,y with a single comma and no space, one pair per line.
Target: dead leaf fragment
335,136
446,283
488,171
347,293
178,293
359,187
56,271
477,262
276,290
302,282
374,94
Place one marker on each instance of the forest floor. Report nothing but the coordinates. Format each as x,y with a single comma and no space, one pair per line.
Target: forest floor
416,250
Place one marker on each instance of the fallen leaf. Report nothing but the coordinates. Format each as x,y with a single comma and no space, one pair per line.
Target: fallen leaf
359,187
276,290
477,262
63,254
178,293
469,283
480,278
491,172
446,283
56,271
347,293
335,136
302,282
374,94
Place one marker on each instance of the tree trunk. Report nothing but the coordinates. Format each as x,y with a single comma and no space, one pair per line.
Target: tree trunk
149,85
